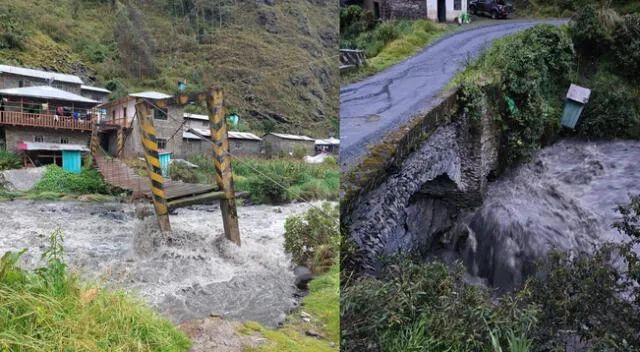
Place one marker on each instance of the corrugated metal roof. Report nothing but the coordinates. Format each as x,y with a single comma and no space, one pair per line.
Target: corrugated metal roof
243,135
51,146
195,116
150,95
328,141
232,135
292,137
95,89
60,77
46,92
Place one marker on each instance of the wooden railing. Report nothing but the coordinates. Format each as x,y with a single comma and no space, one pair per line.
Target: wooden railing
16,118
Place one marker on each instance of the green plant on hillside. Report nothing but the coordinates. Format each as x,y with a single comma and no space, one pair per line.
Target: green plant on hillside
12,34
590,36
48,309
313,239
612,111
9,160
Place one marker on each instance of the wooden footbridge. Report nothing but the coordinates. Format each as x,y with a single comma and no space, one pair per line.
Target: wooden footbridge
168,194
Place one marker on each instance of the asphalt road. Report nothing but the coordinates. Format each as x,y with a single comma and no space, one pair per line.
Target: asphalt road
371,108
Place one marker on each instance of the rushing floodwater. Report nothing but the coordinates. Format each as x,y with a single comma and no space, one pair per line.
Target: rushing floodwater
566,199
188,274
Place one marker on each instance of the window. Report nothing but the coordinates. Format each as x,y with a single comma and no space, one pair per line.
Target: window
113,115
20,83
162,143
64,140
160,114
38,139
124,112
457,5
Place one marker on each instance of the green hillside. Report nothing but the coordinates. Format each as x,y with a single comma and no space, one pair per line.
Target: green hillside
271,56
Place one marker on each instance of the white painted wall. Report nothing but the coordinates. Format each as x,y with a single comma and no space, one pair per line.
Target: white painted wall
432,10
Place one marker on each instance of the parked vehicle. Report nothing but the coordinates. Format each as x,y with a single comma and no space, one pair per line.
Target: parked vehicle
494,8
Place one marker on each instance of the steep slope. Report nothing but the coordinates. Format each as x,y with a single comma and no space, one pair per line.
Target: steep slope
271,56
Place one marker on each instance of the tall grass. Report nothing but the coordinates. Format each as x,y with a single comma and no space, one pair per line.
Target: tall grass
48,309
277,180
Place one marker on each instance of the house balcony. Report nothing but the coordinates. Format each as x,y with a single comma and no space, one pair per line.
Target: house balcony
17,118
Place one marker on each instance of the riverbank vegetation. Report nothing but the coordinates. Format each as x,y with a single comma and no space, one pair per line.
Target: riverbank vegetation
312,240
580,300
50,309
567,9
276,180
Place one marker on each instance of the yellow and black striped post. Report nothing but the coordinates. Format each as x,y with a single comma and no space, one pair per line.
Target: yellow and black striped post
148,136
120,142
222,161
94,140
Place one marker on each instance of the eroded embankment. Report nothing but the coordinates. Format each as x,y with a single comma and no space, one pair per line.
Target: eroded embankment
188,274
433,196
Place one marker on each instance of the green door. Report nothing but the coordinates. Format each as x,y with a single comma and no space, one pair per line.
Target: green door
165,159
571,113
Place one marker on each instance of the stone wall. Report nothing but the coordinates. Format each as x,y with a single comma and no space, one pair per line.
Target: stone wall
13,135
403,9
165,129
438,166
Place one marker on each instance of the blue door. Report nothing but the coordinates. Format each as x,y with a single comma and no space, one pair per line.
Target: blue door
165,159
71,161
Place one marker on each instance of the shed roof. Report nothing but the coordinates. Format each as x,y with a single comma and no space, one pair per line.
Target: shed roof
46,92
51,146
95,89
328,141
232,135
60,77
150,95
292,137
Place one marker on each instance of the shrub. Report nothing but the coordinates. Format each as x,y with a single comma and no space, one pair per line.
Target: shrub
313,239
612,111
354,20
181,172
12,36
57,180
300,152
9,160
589,34
331,161
626,46
426,307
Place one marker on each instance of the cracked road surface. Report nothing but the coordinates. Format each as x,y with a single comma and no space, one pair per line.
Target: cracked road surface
379,104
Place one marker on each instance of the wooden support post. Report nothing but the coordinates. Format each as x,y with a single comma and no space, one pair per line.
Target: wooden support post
222,161
120,142
150,145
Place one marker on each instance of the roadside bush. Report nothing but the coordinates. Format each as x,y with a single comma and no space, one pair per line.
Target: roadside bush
313,239
612,111
331,161
354,20
55,179
9,160
589,34
534,65
180,172
626,46
427,307
48,309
